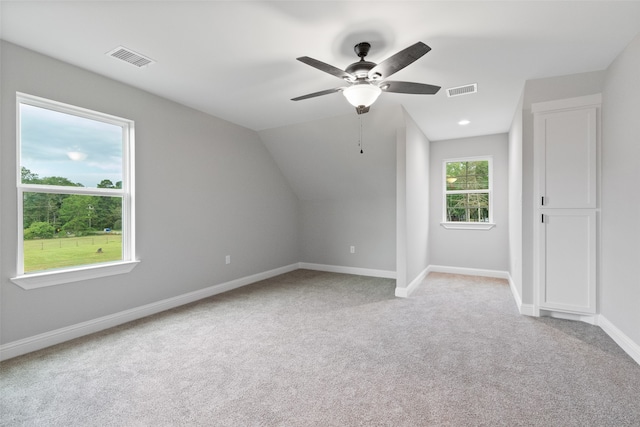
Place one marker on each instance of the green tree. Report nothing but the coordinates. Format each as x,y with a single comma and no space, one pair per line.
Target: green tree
28,177
108,209
40,230
59,181
78,213
472,175
106,183
43,207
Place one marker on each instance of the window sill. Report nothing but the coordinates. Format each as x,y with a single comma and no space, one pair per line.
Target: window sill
468,225
51,278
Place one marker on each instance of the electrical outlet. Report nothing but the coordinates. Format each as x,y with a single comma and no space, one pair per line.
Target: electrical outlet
353,249
227,259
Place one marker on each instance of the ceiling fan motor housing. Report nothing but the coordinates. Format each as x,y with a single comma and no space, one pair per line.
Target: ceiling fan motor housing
362,49
361,68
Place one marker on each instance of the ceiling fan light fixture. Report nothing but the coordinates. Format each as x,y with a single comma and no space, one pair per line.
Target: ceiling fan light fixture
362,94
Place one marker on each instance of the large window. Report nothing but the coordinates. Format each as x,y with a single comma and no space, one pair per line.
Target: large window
467,191
75,187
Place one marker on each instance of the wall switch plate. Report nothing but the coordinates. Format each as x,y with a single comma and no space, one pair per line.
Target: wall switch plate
227,259
353,249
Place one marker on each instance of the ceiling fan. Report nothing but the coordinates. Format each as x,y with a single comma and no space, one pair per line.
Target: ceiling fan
367,80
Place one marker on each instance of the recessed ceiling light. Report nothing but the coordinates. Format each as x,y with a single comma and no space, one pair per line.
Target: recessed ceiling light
464,122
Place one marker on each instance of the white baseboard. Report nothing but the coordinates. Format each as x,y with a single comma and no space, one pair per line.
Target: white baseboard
47,339
626,343
591,319
524,309
515,293
405,292
387,274
469,271
528,310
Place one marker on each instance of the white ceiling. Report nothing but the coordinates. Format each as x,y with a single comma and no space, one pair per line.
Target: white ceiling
236,60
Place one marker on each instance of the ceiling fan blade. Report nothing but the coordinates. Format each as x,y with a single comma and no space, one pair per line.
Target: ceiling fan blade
397,62
409,87
313,95
334,71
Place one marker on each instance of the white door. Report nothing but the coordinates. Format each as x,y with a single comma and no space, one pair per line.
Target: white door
567,144
568,260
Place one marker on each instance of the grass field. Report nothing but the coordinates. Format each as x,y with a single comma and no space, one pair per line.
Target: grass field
46,254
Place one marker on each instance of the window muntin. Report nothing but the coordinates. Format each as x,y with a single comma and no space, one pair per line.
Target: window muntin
75,185
467,190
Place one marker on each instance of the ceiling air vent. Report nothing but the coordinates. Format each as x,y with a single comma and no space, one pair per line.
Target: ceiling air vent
462,90
133,58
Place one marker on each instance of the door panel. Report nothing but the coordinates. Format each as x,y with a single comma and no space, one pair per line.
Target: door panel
568,258
568,178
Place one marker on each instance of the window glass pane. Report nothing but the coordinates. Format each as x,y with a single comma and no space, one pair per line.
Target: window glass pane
68,149
472,207
473,175
63,230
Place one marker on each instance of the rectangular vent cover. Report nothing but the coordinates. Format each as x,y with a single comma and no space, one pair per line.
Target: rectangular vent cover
462,90
133,58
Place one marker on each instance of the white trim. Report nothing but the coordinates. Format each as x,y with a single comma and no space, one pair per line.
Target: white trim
77,273
93,271
539,111
47,339
626,343
445,192
37,342
498,274
405,292
387,274
567,104
468,225
528,310
515,293
591,319
524,309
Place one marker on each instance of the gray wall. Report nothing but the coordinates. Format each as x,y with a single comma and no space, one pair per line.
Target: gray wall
479,249
346,198
205,188
620,252
329,227
515,200
412,203
540,90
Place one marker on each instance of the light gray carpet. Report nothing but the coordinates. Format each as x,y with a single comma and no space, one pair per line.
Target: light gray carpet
321,349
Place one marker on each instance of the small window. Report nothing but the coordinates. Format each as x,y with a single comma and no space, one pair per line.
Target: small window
75,183
467,191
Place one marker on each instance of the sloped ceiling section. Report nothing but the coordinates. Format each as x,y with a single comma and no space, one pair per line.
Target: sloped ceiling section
322,160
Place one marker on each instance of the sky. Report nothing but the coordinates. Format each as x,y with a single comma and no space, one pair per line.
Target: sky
57,144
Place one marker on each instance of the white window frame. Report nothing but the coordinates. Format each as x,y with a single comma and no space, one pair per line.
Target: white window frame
90,271
458,225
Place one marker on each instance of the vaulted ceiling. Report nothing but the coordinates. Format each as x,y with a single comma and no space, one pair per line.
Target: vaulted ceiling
237,60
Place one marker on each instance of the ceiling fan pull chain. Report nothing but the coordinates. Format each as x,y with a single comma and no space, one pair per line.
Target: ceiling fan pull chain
361,142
